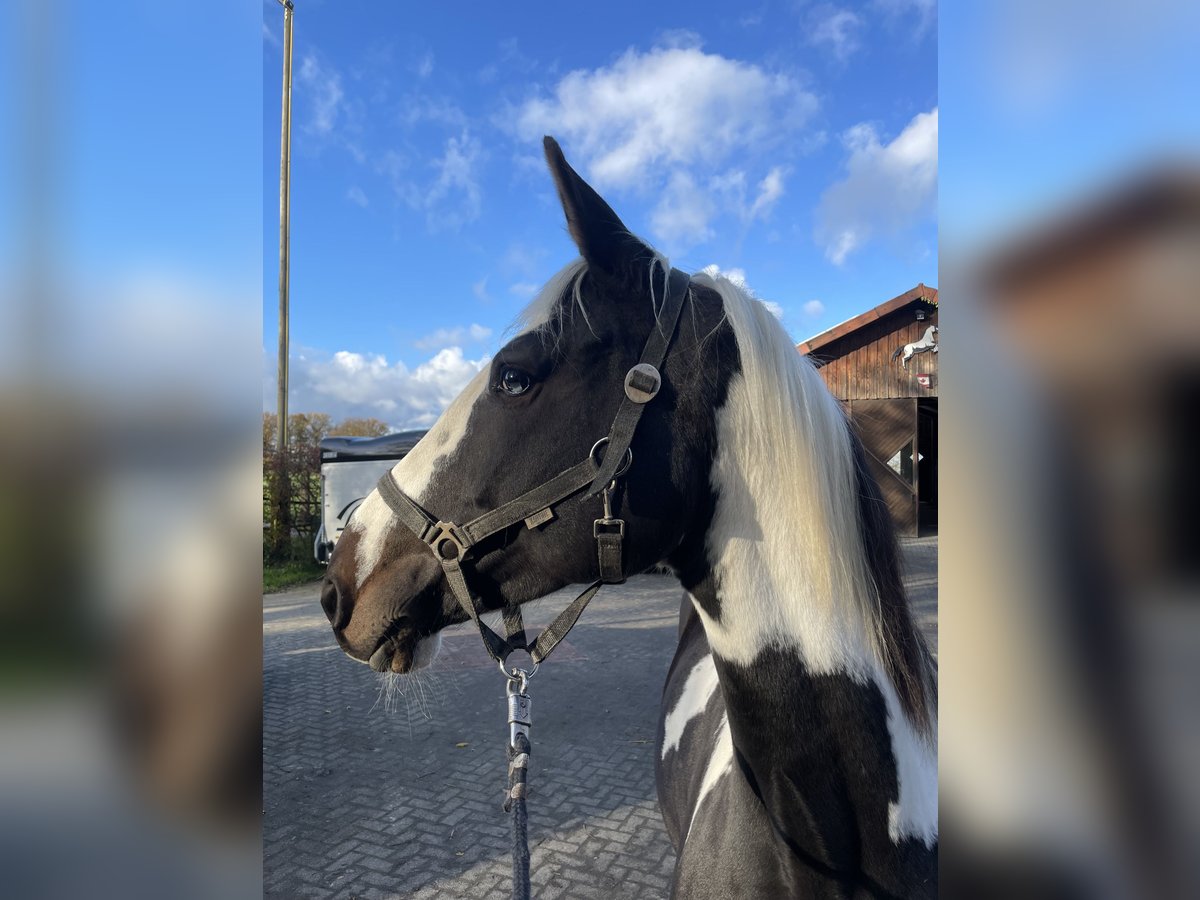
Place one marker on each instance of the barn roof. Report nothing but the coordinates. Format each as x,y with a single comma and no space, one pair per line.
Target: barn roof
1140,203
920,293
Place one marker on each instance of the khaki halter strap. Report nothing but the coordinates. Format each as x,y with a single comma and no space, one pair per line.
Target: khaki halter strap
453,544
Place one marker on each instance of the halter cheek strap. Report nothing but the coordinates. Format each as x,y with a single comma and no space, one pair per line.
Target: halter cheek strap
453,544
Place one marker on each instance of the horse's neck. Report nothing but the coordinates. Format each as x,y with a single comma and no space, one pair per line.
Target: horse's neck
804,742
826,747
810,671
816,722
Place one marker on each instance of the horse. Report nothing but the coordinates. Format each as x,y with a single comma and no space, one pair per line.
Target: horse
796,747
927,342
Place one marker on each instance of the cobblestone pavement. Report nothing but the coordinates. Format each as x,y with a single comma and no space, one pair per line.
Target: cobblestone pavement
378,789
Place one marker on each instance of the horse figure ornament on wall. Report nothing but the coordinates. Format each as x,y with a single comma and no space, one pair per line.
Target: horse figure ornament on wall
927,342
645,418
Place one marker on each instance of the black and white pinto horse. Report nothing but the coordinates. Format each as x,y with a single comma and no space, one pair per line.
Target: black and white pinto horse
797,744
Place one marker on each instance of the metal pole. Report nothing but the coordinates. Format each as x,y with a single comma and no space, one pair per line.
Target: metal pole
285,165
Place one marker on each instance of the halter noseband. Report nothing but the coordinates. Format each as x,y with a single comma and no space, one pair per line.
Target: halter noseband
453,544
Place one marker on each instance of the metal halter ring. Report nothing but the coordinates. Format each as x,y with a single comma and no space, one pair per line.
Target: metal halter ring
447,542
625,464
517,673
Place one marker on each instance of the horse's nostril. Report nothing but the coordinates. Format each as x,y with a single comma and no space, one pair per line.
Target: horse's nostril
329,598
333,601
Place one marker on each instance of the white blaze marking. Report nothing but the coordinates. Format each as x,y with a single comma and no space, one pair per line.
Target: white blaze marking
373,518
720,764
697,690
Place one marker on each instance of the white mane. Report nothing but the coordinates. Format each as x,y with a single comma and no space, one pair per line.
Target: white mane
549,303
785,542
785,463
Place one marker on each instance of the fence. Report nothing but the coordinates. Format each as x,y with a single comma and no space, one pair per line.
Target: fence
291,504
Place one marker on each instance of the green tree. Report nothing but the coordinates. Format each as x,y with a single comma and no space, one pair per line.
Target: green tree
305,430
358,427
292,484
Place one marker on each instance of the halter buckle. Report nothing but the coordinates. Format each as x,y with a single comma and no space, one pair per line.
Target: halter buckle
448,542
608,526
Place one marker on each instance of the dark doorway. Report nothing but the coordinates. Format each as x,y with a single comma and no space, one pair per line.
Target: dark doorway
927,466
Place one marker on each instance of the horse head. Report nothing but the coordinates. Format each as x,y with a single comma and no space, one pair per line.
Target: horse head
548,396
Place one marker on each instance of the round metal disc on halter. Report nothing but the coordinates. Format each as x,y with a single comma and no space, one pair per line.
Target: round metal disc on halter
642,383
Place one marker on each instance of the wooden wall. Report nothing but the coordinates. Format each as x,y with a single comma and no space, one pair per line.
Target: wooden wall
859,366
882,399
885,427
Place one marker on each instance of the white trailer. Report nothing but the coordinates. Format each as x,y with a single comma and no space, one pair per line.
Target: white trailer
350,468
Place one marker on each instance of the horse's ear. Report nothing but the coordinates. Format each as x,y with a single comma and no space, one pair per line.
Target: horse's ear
602,238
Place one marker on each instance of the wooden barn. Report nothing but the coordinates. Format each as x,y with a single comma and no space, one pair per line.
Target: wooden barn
883,365
1098,303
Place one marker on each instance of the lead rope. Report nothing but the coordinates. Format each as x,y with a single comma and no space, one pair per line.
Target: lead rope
520,709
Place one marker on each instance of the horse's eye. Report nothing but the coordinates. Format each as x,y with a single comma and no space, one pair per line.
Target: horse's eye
514,381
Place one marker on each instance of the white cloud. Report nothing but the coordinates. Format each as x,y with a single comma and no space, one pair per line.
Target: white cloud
836,29
770,189
479,289
394,166
683,212
729,189
814,308
454,197
920,15
673,116
324,86
420,108
355,195
473,333
524,289
355,384
667,107
887,188
738,277
425,65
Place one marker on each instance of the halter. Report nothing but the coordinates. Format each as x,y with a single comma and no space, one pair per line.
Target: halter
453,544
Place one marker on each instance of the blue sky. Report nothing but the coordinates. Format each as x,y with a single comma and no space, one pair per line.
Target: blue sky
794,144
131,168
1049,101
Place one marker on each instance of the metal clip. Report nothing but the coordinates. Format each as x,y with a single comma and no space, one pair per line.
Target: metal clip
520,708
607,524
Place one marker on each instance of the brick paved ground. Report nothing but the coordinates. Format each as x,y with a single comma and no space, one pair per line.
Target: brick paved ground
373,793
